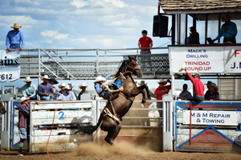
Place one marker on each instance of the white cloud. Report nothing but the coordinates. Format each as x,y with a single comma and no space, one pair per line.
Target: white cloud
117,3
80,39
79,3
54,34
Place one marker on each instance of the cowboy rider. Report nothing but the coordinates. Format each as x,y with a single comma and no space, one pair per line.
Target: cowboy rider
103,90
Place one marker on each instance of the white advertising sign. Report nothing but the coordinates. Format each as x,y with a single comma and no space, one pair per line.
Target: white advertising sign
9,65
197,59
211,118
233,59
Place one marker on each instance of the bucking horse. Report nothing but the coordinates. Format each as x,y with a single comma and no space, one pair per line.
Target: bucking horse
121,102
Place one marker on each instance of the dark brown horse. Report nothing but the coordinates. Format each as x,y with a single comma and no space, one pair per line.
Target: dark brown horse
121,103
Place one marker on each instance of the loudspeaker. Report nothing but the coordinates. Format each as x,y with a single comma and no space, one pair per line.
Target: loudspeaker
160,26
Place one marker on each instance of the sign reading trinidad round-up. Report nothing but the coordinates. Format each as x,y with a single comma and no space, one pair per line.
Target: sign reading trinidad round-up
9,66
205,59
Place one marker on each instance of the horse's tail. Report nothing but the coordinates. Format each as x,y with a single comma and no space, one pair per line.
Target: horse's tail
87,129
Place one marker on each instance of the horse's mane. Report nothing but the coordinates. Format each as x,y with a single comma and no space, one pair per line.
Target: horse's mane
122,65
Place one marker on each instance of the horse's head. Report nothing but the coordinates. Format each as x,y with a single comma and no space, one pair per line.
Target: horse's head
133,66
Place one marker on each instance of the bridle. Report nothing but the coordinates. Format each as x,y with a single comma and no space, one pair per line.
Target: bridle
131,68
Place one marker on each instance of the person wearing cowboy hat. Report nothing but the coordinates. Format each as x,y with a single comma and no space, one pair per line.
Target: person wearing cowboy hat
207,94
72,86
228,31
29,90
214,95
45,88
198,87
83,87
68,95
14,38
62,86
149,93
159,92
23,123
102,89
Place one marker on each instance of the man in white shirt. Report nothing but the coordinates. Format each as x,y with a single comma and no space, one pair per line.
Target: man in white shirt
68,95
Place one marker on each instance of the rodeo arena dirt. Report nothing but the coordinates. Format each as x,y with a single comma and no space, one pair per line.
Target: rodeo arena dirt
123,118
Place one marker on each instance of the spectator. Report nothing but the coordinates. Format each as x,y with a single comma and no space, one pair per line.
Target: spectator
45,88
214,95
83,87
198,87
71,86
23,123
62,86
159,92
207,94
228,31
185,94
29,89
194,36
54,96
145,43
14,38
68,95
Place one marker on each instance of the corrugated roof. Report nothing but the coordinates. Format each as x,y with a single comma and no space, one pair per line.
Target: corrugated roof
199,5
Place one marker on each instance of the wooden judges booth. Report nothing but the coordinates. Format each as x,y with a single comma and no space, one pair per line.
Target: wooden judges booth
216,127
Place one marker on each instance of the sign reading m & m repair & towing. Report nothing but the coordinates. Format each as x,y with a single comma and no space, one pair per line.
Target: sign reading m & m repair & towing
197,59
211,117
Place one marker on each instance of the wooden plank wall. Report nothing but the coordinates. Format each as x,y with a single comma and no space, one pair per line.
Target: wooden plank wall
68,116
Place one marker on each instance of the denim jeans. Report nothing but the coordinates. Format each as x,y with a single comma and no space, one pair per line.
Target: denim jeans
45,98
14,47
159,106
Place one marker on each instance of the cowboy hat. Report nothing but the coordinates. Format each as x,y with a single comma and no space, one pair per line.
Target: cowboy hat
142,83
162,81
15,25
208,83
67,87
23,99
182,67
99,79
45,77
82,85
70,85
62,85
225,18
213,85
53,81
28,79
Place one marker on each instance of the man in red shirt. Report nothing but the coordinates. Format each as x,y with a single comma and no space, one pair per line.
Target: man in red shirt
159,92
198,87
145,43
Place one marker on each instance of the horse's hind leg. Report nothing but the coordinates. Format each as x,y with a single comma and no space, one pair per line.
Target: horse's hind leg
112,134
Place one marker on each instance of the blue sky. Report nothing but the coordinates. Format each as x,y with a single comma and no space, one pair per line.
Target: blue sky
80,24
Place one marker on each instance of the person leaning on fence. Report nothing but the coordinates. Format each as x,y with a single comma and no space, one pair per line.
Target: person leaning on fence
45,88
214,95
185,94
83,87
55,95
68,95
159,92
29,90
61,87
198,87
71,86
23,123
145,43
14,38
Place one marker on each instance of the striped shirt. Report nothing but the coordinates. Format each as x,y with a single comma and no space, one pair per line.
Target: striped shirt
23,116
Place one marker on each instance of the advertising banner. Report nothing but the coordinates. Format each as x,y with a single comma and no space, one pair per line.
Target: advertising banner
211,118
232,59
197,59
9,65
